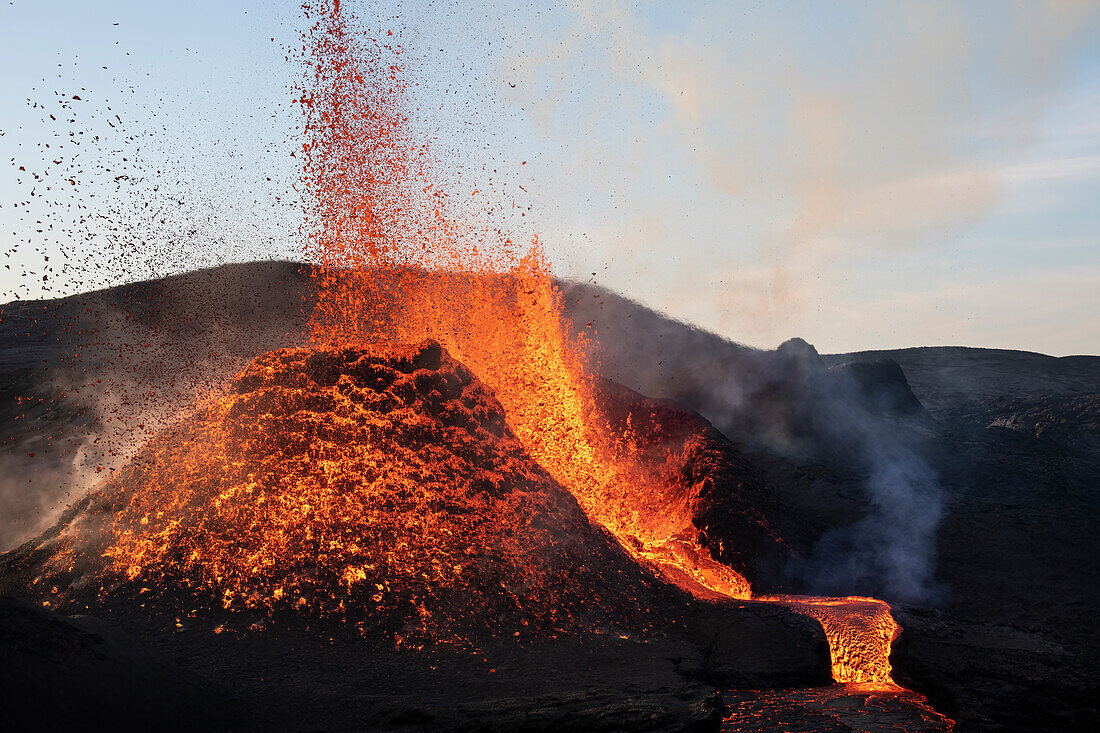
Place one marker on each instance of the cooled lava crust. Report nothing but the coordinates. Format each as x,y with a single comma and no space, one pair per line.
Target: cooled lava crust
379,485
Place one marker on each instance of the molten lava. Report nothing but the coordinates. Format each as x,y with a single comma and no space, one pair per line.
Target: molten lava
396,268
383,486
860,632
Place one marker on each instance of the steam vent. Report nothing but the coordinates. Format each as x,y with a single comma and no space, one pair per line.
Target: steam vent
380,485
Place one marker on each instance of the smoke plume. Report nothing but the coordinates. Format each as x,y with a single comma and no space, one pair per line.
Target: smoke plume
857,426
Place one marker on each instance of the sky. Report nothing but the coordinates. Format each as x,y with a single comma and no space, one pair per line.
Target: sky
863,175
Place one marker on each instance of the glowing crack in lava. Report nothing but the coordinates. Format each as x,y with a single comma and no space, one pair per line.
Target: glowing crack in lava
394,266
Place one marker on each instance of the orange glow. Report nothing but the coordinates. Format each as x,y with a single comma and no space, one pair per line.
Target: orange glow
397,269
380,485
347,503
860,632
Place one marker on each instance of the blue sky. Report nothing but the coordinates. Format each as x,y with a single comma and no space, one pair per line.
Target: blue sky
863,175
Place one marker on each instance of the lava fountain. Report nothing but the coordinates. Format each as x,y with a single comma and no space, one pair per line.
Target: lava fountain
395,268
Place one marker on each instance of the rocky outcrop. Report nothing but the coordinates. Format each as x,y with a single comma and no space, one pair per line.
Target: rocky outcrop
994,678
880,386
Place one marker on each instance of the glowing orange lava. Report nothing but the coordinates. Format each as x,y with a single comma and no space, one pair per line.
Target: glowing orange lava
860,632
396,267
382,485
399,270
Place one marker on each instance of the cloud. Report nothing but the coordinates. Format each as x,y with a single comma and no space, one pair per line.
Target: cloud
794,137
1087,166
859,129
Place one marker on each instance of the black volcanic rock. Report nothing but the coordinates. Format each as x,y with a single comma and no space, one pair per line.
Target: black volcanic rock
881,385
64,673
735,510
1069,422
80,673
734,658
799,350
946,378
992,678
831,710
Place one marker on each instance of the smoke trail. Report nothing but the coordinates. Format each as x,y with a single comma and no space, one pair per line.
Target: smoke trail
891,550
868,424
860,422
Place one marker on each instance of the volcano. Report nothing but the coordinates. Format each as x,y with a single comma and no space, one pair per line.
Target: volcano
423,504
989,657
379,493
383,486
375,499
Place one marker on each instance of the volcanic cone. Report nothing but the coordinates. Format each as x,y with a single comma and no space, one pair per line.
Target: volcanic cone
382,485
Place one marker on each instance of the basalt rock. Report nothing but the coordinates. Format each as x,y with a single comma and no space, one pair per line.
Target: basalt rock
80,673
880,386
